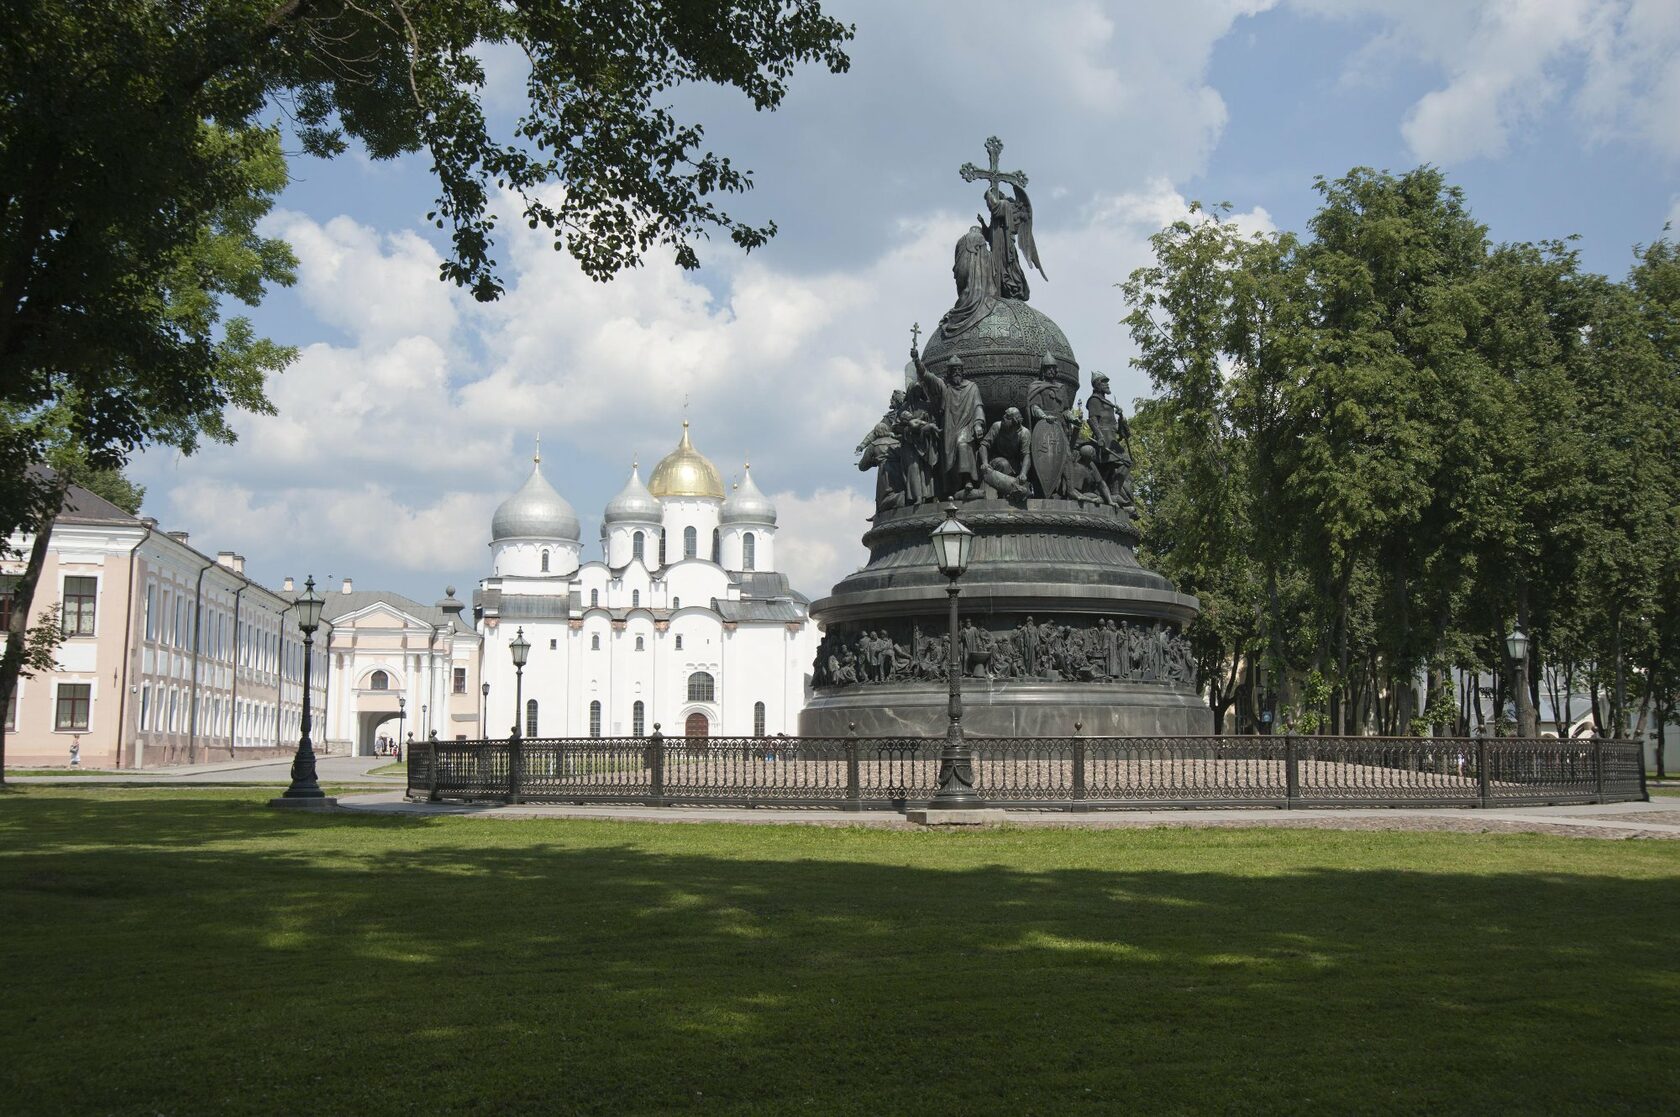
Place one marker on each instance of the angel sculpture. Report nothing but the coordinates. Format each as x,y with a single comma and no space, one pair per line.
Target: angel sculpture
1009,226
988,257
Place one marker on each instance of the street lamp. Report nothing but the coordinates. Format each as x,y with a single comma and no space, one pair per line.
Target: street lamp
484,711
305,789
425,720
952,543
402,718
1516,646
521,651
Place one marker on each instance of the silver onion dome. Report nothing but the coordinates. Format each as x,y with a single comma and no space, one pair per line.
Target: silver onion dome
746,505
536,511
634,503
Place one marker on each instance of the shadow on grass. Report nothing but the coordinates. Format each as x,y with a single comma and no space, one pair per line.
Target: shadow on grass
211,955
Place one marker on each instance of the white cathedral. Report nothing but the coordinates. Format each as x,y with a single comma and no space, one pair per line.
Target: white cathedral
683,622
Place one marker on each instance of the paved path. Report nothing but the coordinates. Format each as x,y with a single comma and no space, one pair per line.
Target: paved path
1595,820
329,769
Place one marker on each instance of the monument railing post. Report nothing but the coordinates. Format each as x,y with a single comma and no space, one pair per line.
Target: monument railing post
514,757
1482,784
656,753
854,789
1078,769
432,772
1291,773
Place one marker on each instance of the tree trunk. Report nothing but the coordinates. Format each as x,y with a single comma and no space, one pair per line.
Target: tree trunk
1618,707
23,602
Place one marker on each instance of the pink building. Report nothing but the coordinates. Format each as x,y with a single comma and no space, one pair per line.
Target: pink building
170,656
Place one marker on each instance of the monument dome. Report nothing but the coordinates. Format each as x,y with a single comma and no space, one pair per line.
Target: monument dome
686,472
1003,350
536,511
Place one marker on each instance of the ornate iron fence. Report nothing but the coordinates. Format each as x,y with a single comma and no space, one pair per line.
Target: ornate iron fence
1066,773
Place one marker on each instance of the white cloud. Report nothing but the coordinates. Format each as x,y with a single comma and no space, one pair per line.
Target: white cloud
1617,64
818,537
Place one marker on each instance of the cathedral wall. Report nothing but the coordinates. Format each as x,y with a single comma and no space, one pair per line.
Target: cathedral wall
685,512
763,546
522,558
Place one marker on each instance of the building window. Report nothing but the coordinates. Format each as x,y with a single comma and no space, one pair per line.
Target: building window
595,641
545,562
151,608
749,549
717,547
758,719
530,717
638,719
11,710
460,680
80,593
661,546
679,641
379,680
691,542
638,544
145,707
700,687
676,603
635,599
169,725
594,598
553,645
638,643
595,719
73,702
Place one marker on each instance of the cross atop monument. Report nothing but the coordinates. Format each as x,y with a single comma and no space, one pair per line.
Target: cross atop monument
994,148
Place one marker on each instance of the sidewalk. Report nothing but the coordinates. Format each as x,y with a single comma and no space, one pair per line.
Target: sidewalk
1659,819
329,769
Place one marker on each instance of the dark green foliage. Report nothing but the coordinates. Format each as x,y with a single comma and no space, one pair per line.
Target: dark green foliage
1375,451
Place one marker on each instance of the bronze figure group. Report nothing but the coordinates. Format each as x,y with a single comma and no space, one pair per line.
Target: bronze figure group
1081,651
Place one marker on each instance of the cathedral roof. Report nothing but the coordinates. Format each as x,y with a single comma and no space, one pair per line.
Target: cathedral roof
633,503
536,511
746,505
685,472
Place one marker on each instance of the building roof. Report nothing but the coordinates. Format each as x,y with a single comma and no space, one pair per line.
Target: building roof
686,472
746,505
339,605
633,504
536,511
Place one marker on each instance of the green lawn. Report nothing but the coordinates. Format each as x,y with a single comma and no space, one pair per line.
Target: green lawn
180,952
395,768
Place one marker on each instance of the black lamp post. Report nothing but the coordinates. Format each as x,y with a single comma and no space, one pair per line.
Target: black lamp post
1516,646
521,651
402,717
952,542
305,789
484,711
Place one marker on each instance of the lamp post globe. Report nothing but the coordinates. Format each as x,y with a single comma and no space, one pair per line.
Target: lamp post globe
305,788
484,710
402,718
1516,644
953,542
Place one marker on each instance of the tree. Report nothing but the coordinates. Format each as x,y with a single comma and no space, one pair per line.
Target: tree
136,158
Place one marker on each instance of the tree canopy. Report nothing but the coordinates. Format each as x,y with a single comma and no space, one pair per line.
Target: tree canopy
1376,449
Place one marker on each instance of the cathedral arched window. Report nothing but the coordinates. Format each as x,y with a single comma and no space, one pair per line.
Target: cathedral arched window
661,546
379,680
635,599
717,547
676,603
701,687
638,643
545,562
638,719
595,642
638,545
679,641
594,598
749,552
595,718
758,719
691,542
530,717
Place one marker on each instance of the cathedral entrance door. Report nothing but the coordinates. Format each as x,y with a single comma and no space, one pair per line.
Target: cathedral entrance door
698,726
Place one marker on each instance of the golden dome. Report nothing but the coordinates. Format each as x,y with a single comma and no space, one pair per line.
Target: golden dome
685,472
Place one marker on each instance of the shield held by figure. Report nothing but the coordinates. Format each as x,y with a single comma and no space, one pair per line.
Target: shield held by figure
1049,455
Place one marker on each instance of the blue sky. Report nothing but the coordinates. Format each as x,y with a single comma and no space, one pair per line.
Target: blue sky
412,410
